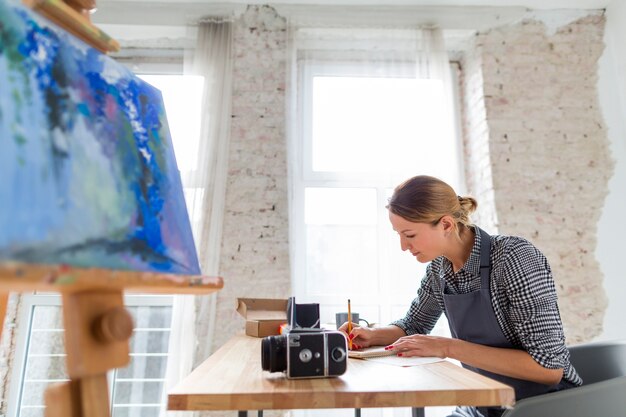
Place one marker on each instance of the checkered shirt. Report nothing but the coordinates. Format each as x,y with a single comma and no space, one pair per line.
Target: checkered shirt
522,294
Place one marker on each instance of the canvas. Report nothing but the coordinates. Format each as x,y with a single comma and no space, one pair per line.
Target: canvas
88,175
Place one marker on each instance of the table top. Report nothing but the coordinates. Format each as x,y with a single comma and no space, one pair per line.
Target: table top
232,379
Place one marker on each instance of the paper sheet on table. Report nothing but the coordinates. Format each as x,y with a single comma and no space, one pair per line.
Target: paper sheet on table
404,361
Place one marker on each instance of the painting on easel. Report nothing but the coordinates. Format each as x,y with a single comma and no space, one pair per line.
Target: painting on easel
88,175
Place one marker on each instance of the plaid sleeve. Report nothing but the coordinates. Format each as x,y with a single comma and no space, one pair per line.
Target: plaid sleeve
425,309
534,313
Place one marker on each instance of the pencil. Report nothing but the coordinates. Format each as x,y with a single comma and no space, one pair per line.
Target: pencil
349,325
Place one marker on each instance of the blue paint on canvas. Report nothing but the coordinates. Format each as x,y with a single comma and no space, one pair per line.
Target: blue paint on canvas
88,175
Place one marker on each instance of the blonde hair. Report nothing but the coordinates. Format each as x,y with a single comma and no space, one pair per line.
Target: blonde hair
425,199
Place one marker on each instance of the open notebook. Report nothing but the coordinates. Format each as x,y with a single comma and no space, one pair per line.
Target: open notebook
371,352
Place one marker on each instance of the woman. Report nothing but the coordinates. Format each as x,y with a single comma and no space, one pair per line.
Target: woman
497,293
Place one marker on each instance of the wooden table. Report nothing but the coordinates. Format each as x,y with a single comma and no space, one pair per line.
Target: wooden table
232,379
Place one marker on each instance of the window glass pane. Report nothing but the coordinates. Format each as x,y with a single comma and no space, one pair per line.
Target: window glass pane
341,259
47,317
33,394
145,411
151,317
143,367
343,206
149,344
150,341
138,387
340,240
45,368
44,342
138,392
182,96
384,125
28,411
45,359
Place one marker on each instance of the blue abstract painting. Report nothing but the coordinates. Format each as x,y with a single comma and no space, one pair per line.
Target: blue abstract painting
88,175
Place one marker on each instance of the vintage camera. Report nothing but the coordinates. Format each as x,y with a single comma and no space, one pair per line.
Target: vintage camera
305,352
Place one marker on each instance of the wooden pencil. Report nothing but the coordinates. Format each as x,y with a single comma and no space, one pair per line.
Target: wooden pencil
349,325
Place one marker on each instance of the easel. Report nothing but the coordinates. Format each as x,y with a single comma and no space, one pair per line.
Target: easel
97,326
74,17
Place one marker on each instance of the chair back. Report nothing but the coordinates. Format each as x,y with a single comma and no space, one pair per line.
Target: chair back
602,366
597,362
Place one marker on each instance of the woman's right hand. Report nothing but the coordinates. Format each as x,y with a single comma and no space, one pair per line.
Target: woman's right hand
362,337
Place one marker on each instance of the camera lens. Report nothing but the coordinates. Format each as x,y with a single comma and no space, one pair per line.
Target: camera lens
338,354
274,353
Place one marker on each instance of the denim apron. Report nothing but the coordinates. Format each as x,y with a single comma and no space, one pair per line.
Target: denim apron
471,318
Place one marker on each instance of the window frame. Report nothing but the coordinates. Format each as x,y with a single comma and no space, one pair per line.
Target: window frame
28,303
303,176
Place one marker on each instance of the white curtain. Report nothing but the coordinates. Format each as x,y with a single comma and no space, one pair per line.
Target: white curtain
421,50
205,187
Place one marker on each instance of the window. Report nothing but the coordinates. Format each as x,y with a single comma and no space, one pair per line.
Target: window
40,356
360,134
136,390
182,95
365,122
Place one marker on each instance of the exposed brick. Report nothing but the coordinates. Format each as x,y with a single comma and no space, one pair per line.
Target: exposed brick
548,151
255,247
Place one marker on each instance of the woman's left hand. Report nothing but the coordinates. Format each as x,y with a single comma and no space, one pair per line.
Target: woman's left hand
421,345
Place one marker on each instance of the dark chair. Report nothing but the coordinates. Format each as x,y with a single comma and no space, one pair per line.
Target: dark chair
602,367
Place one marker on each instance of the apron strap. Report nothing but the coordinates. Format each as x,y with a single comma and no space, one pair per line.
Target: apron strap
485,258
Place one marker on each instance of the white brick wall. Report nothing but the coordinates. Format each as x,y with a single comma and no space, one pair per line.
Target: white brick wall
255,246
548,151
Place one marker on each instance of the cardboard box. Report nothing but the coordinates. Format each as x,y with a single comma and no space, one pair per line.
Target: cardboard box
263,315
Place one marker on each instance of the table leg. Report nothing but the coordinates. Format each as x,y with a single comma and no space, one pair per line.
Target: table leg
357,412
418,412
241,413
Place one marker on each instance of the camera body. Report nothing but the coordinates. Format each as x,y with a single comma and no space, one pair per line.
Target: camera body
305,352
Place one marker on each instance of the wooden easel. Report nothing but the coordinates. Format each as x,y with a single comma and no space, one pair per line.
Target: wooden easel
97,326
74,16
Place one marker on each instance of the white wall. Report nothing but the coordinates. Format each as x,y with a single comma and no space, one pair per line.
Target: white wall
612,227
